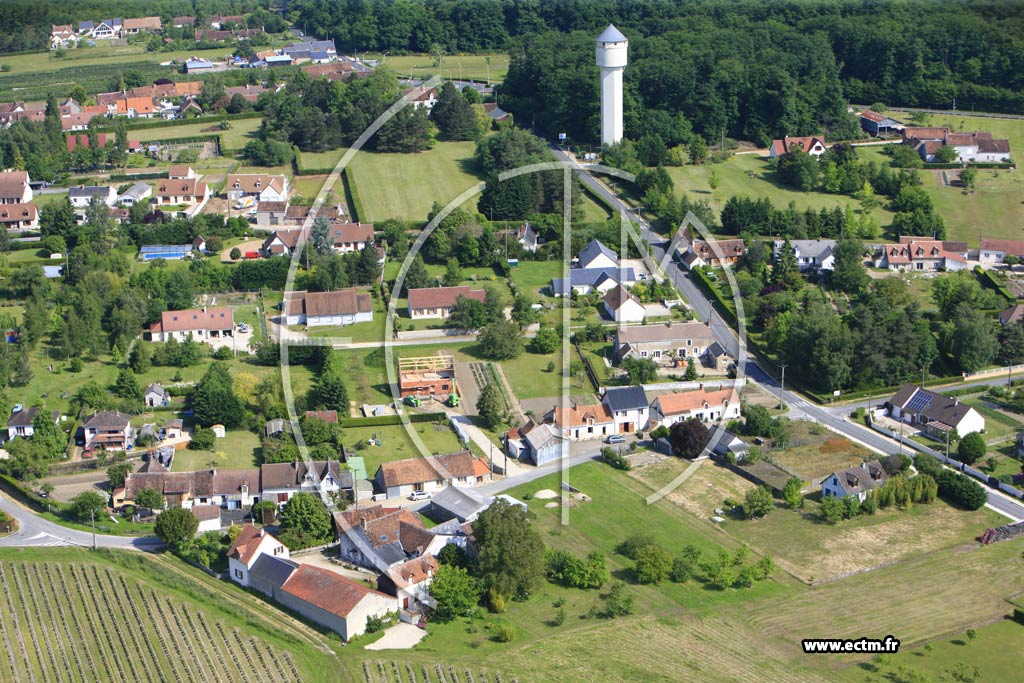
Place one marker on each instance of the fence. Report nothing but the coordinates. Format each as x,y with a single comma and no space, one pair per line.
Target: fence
955,464
994,372
588,368
687,386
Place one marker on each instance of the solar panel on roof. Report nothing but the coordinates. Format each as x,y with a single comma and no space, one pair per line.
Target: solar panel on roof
919,401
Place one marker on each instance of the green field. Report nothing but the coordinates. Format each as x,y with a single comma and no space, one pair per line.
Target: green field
396,444
461,67
405,186
236,451
234,138
37,62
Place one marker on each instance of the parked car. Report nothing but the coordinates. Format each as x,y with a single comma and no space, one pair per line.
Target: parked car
419,495
615,438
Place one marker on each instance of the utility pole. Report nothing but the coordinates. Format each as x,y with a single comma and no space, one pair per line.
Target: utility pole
92,516
490,459
782,388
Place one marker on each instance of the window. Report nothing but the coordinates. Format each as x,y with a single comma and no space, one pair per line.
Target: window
657,354
238,573
643,354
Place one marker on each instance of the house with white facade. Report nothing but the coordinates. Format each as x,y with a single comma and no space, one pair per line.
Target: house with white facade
438,302
401,478
855,481
628,406
247,548
181,191
348,237
260,186
155,395
379,537
410,583
811,255
108,429
667,344
199,324
279,481
318,309
702,404
15,217
623,307
582,422
812,144
20,423
597,255
588,280
935,413
15,187
996,251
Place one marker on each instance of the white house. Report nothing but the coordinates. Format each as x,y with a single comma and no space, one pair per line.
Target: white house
996,251
587,280
107,429
628,406
200,324
410,583
135,194
596,255
15,217
262,187
812,144
583,422
20,423
438,302
706,406
15,188
208,517
187,191
622,307
856,481
347,237
155,395
811,255
280,481
401,478
249,545
665,344
934,412
317,309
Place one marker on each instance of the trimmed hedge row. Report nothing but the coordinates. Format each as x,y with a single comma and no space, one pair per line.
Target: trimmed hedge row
186,140
25,495
300,170
989,280
717,299
138,176
145,124
390,420
355,207
984,164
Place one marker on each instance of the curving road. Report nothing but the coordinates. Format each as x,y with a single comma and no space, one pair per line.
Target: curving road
36,531
833,418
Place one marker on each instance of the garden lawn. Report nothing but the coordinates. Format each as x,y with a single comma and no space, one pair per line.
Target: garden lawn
236,451
468,67
405,186
819,453
998,426
749,175
529,376
807,547
103,53
322,160
535,275
234,138
397,444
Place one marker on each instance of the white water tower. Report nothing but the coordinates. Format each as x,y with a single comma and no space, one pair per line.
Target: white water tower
612,47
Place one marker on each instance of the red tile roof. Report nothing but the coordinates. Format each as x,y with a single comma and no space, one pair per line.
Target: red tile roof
419,470
197,319
684,402
327,590
441,297
246,544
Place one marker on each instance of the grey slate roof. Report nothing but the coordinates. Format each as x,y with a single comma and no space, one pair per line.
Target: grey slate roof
591,277
611,35
272,570
625,398
593,250
460,503
860,477
22,418
934,406
716,350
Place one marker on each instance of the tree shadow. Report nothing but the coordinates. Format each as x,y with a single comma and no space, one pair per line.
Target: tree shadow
959,642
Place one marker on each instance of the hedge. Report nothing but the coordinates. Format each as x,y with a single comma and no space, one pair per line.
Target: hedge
138,176
391,420
145,124
991,282
25,495
355,207
952,165
300,170
724,306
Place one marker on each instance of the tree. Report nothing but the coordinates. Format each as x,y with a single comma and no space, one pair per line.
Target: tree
848,273
971,448
305,521
832,509
758,502
500,341
214,400
467,314
688,438
86,504
791,493
454,115
117,473
691,370
653,564
176,526
546,341
329,391
127,387
456,592
946,154
141,358
618,602
320,236
511,552
969,177
368,266
522,310
235,253
491,406
798,169
641,370
149,498
971,339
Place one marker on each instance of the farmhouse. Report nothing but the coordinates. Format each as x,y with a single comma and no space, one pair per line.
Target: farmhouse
378,537
977,147
200,324
534,443
706,406
873,123
714,253
996,251
107,429
271,213
935,413
316,309
83,195
351,236
856,481
410,583
261,187
811,255
280,242
629,408
247,548
587,280
421,97
920,255
665,344
426,376
621,306
331,600
438,302
19,216
400,478
813,145
583,422
142,25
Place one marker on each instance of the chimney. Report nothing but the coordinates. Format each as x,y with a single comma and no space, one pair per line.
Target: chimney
362,523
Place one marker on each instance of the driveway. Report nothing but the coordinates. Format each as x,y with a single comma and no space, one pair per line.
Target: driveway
401,636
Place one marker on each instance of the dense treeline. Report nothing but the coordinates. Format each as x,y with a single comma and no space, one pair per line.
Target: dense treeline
27,22
755,70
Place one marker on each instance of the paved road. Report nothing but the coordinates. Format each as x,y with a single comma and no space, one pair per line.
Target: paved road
831,417
36,531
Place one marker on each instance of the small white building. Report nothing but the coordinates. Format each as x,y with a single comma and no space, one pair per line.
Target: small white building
597,255
856,481
438,302
706,406
82,196
199,324
249,545
319,309
933,412
629,407
621,306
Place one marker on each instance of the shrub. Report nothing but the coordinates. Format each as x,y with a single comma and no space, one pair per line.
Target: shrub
971,449
618,602
504,632
653,564
758,502
202,440
631,546
614,458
